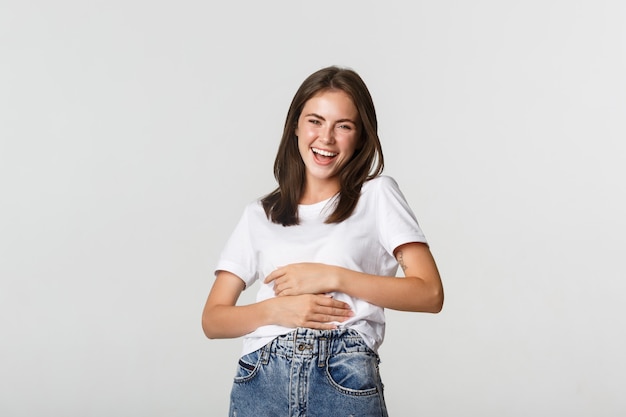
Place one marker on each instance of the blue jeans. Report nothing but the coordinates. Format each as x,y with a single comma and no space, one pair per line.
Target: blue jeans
309,373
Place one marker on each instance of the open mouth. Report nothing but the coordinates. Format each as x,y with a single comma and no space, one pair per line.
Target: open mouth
324,155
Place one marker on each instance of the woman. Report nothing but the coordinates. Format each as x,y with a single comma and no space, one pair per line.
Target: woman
325,246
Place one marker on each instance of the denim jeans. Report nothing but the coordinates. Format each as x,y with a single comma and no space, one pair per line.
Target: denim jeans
309,373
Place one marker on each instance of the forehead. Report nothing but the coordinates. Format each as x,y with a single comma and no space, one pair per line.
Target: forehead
333,102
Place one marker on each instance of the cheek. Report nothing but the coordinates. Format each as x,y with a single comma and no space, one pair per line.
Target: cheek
351,144
302,131
301,128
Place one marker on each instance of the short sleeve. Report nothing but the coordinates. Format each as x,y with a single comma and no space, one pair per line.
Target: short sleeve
397,224
238,255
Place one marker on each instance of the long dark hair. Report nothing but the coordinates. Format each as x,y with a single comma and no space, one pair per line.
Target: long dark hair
281,205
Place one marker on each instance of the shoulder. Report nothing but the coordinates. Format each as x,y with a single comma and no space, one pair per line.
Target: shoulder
385,192
253,213
254,208
380,184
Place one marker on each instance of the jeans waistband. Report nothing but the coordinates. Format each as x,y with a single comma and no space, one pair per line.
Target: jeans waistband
309,342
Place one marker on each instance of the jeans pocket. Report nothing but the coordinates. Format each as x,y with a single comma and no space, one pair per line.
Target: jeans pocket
354,373
248,366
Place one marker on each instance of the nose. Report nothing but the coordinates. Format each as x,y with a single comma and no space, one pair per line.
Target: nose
327,135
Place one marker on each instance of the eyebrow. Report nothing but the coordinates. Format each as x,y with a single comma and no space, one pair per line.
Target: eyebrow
338,121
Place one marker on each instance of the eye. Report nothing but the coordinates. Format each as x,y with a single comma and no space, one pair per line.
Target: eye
315,121
345,127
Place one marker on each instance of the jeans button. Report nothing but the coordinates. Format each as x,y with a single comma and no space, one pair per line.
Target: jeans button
301,347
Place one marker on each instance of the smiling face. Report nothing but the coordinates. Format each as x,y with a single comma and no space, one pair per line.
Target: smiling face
328,134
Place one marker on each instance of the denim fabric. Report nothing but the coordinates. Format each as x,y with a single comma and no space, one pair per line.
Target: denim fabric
309,373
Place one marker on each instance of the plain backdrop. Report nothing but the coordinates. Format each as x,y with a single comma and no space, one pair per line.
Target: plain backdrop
133,133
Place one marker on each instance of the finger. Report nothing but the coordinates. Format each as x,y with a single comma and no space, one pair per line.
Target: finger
271,277
331,302
330,313
327,318
284,292
339,314
278,272
280,286
319,326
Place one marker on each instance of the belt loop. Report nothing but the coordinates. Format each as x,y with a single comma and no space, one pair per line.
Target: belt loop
265,353
323,351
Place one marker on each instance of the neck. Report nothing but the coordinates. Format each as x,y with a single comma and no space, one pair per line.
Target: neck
316,191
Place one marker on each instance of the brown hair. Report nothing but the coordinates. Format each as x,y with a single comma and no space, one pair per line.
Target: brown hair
281,205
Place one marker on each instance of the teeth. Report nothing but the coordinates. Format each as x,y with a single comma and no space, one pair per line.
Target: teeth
322,152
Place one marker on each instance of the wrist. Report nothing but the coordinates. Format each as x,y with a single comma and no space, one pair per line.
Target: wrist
267,312
336,282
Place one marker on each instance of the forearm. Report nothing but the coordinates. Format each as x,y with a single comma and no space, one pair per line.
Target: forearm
406,294
315,311
420,290
228,321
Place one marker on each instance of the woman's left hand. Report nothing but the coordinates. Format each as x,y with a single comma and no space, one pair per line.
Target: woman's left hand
302,278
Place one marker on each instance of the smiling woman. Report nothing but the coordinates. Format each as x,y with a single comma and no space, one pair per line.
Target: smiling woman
327,138
326,245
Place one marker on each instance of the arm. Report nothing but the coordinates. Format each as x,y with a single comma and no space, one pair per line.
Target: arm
222,318
420,290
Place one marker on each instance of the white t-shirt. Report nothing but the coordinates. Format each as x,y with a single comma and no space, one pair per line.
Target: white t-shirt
381,221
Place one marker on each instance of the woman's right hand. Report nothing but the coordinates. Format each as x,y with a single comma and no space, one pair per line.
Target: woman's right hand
314,311
222,318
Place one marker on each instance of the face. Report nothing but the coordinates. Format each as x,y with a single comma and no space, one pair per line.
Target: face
328,133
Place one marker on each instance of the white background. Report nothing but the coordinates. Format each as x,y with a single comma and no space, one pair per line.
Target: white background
132,134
